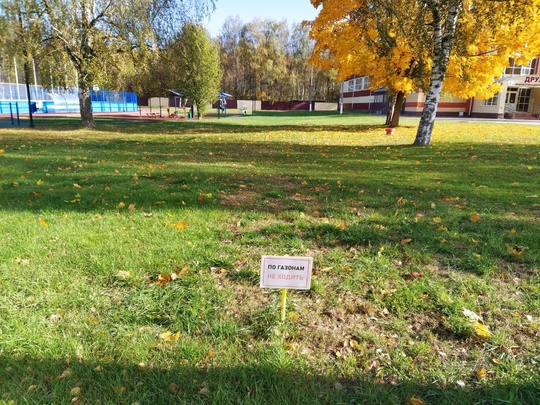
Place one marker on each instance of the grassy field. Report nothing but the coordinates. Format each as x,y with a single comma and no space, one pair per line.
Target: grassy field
130,259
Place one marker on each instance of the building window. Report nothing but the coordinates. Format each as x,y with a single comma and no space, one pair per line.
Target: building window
358,84
521,70
491,101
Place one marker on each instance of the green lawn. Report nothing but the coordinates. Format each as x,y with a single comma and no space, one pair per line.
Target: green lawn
93,224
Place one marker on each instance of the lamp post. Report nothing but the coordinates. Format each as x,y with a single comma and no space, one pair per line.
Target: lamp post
30,112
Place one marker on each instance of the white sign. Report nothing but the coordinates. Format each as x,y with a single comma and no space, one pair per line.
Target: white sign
524,81
286,272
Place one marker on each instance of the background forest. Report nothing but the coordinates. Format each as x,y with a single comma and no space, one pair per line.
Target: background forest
262,59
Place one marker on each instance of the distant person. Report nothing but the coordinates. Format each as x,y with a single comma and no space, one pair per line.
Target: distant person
223,105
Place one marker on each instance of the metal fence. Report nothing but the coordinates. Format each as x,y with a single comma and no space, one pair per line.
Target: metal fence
59,100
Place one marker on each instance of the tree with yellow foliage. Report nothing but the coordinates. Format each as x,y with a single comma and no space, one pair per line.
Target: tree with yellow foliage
409,45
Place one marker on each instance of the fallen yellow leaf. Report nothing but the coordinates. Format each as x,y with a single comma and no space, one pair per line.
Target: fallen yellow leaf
481,330
415,401
401,201
169,336
480,374
475,218
123,275
183,272
181,225
163,280
437,220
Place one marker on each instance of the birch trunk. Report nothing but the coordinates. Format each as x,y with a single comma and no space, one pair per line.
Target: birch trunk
443,38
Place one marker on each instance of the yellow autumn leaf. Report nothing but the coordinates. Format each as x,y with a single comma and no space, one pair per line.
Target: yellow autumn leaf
415,401
121,204
42,222
475,218
123,275
437,220
480,374
406,241
401,201
181,225
183,272
131,207
481,330
163,280
40,182
169,336
76,185
2,150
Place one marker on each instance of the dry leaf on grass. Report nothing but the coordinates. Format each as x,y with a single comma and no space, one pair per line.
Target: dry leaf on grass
413,275
169,336
415,401
481,330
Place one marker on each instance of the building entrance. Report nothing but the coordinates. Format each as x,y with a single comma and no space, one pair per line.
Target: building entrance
518,98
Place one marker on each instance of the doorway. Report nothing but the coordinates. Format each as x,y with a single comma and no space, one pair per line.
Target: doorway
518,98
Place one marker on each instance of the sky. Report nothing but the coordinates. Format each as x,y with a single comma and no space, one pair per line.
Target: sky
291,10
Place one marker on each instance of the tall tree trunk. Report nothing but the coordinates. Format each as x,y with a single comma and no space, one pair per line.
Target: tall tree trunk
442,45
394,113
391,109
400,98
85,105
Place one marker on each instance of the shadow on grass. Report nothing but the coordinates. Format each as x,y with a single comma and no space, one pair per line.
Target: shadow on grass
49,173
394,185
44,381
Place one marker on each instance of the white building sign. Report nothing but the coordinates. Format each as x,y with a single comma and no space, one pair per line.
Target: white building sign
286,272
524,81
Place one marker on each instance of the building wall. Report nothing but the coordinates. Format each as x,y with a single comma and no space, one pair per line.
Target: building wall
521,77
326,106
